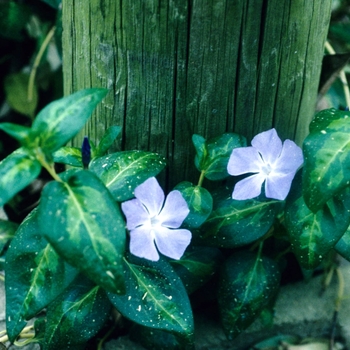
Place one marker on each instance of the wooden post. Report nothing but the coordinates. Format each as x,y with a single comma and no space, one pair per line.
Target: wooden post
179,67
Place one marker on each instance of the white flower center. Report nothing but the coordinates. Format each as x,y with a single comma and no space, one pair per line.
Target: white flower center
266,169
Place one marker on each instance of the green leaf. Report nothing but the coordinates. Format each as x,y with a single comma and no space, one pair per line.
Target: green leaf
85,226
248,283
7,232
197,266
155,297
343,245
69,156
107,140
61,120
17,171
54,3
234,223
76,315
18,132
122,172
213,155
13,19
327,157
199,201
156,339
313,235
35,275
16,88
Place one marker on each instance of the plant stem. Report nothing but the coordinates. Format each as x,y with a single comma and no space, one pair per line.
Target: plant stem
37,62
40,156
342,76
201,179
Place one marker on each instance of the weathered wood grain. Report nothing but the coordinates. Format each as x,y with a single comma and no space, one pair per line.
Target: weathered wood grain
178,67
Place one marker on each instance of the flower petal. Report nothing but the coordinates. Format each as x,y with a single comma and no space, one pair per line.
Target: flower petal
172,243
269,145
244,160
248,188
278,186
142,243
135,213
175,210
291,158
151,195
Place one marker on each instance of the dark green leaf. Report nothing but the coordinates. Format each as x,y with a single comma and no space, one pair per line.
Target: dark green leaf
7,232
213,155
17,171
69,156
84,224
76,315
327,157
61,120
54,3
313,235
199,201
234,223
248,283
13,18
197,266
35,275
156,339
122,172
155,297
343,245
107,140
16,88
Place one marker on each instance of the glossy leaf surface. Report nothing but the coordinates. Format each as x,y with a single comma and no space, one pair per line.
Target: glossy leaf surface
35,275
7,232
235,223
197,266
313,235
18,132
61,120
213,155
122,172
155,297
327,157
248,283
199,201
83,223
17,171
76,315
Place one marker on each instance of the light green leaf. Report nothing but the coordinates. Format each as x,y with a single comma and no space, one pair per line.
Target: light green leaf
16,88
35,275
69,156
61,120
122,172
76,315
107,140
155,297
247,285
327,157
17,171
85,226
18,132
199,201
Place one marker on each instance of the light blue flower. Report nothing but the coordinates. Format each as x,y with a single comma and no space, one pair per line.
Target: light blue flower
154,223
270,162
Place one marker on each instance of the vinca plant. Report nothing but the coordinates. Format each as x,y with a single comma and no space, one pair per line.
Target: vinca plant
105,239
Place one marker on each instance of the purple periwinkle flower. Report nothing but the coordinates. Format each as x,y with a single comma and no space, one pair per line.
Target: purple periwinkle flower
154,224
270,162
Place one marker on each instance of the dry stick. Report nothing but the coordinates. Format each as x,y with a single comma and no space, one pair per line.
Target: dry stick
37,62
342,76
